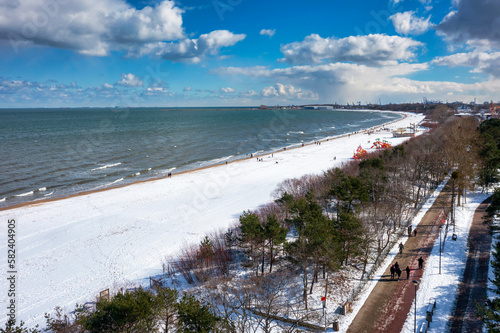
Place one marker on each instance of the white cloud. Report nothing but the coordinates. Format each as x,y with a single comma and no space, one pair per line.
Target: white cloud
227,90
130,80
288,91
11,86
248,93
480,62
408,24
343,82
107,86
475,22
190,50
423,2
268,32
212,42
187,89
52,93
91,27
374,49
155,91
255,71
341,71
325,83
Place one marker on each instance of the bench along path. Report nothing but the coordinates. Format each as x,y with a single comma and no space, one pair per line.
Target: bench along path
386,308
474,283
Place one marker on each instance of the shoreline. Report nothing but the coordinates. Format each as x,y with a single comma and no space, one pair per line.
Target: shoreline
39,202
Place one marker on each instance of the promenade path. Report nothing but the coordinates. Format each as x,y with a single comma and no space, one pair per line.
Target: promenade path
387,306
474,282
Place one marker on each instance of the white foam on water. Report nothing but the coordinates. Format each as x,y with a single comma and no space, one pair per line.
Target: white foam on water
116,181
106,166
25,194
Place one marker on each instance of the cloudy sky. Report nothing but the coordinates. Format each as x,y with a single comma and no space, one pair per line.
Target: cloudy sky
241,52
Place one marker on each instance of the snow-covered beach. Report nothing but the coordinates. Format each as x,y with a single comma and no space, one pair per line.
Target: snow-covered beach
70,249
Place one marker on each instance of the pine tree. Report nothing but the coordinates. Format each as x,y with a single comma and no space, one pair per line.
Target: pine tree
275,235
195,316
11,327
166,306
317,242
252,233
129,312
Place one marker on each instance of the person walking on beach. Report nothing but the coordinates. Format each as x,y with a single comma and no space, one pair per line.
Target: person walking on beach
415,232
401,247
393,272
407,269
398,272
396,266
420,263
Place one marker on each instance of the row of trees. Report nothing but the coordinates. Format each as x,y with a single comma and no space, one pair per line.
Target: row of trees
489,311
490,151
350,215
140,311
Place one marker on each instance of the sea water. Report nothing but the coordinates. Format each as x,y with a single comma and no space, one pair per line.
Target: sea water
48,153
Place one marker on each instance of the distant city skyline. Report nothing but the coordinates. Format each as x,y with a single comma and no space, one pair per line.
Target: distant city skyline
60,53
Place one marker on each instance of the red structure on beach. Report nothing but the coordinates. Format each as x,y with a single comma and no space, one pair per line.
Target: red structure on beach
379,144
360,153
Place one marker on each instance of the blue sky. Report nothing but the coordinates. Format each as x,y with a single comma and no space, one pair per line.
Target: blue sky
239,52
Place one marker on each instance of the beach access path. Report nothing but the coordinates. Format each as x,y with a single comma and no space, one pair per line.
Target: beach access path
387,306
71,249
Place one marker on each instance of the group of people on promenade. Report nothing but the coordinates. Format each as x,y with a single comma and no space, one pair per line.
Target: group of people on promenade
395,269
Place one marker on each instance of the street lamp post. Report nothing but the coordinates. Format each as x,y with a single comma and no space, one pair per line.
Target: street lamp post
415,282
453,209
440,250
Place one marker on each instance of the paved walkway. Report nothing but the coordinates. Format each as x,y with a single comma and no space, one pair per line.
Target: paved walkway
386,308
474,283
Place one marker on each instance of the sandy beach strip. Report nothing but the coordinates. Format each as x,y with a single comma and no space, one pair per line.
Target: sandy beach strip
70,249
294,146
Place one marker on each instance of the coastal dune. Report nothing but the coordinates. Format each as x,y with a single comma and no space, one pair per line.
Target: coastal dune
70,249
